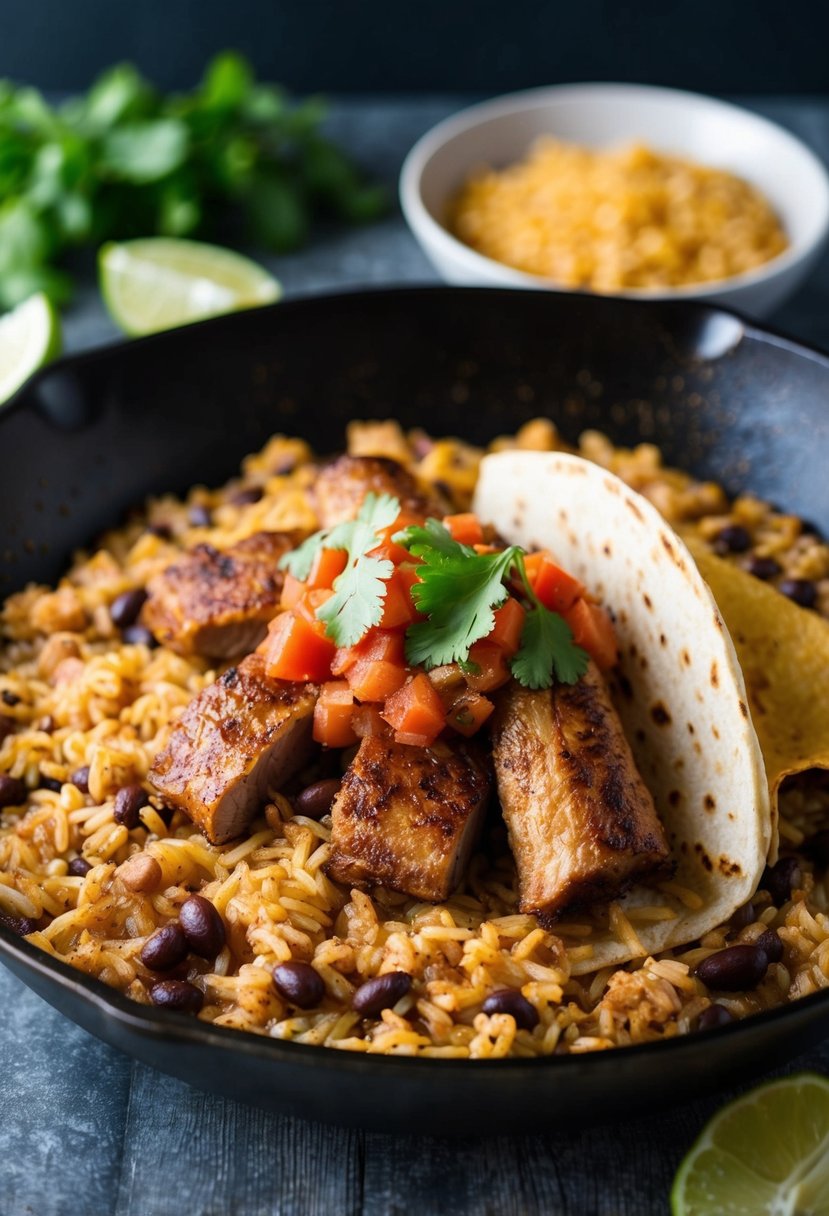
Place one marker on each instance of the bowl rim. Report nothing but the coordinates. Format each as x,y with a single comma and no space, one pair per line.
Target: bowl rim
429,231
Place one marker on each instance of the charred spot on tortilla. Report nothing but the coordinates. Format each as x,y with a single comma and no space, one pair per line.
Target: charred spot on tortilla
715,676
660,714
709,802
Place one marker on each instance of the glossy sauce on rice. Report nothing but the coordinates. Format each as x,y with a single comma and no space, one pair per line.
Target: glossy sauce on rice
78,694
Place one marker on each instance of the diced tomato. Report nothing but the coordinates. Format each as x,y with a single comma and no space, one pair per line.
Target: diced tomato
468,713
379,645
492,667
465,528
366,720
327,566
593,629
309,604
375,679
416,711
297,649
481,549
509,621
556,589
292,591
398,609
333,714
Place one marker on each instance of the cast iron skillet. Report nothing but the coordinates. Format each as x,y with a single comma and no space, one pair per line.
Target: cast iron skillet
88,437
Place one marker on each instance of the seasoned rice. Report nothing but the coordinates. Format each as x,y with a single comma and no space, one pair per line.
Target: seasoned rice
78,697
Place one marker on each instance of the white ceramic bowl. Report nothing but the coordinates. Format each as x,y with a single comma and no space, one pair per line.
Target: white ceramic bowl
711,132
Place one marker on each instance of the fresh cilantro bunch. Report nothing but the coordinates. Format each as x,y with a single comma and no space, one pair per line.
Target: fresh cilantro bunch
233,158
458,593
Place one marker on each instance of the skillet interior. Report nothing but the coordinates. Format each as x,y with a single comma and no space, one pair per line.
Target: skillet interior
93,434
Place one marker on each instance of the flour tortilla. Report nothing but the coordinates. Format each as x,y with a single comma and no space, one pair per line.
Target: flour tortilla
678,689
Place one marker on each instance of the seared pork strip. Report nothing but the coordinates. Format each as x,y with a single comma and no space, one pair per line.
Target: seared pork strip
582,824
242,736
407,817
218,603
341,486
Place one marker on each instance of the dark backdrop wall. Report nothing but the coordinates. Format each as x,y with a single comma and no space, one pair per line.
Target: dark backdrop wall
483,46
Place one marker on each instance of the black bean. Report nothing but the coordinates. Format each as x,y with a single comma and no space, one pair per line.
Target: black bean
802,590
50,783
372,997
299,983
817,848
138,635
781,878
770,944
315,801
79,867
510,1000
80,778
733,538
12,791
734,969
7,726
20,926
161,530
746,915
199,516
125,608
164,948
9,698
763,567
249,494
128,802
713,1016
203,926
180,995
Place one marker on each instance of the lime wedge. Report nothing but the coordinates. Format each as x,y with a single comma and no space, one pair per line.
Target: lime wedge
161,282
768,1152
29,337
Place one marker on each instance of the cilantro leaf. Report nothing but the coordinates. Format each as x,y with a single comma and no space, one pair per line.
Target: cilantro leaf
547,650
458,595
357,603
433,537
300,560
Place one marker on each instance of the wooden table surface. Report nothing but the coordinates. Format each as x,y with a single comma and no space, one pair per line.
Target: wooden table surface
85,1131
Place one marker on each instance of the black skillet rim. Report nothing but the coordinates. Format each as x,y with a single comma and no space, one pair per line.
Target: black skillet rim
152,1023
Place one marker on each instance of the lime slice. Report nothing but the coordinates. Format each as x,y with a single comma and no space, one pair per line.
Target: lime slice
768,1152
161,282
29,337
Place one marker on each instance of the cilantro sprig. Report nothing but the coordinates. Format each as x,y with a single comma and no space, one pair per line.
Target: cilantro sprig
457,593
357,603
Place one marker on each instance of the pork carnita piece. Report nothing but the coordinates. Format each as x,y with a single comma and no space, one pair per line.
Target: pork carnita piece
582,823
216,602
408,817
240,737
342,486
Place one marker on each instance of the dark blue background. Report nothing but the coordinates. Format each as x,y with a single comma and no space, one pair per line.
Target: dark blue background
720,46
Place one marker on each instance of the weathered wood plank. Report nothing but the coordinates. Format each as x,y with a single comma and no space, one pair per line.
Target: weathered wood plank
63,1103
221,1158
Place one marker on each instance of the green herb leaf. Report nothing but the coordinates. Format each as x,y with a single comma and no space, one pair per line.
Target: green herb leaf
458,592
300,560
547,650
357,603
146,151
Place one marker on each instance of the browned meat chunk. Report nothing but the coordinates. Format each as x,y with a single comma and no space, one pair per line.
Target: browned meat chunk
242,736
218,603
407,817
342,485
581,822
